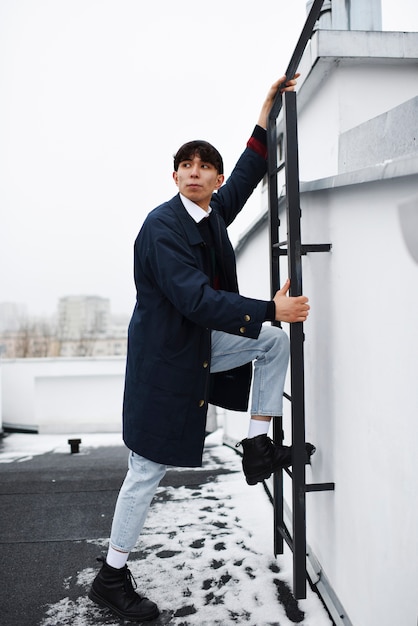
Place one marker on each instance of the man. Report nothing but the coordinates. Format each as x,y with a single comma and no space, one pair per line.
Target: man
192,339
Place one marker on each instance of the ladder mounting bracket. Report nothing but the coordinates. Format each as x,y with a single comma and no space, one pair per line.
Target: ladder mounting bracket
278,249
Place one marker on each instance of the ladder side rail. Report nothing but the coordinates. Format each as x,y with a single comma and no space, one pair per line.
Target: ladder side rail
296,347
273,199
305,36
278,522
280,530
272,168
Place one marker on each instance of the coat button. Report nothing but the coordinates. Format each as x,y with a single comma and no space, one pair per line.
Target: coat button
205,364
242,330
247,318
201,403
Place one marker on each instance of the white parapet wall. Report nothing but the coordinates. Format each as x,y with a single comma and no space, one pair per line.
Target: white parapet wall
360,383
358,159
82,395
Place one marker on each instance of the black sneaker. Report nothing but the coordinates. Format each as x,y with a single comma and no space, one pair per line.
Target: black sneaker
113,588
262,457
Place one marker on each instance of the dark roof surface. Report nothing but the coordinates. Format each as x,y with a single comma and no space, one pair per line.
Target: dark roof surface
56,512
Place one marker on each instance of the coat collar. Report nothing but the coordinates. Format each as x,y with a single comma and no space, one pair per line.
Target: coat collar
194,210
188,223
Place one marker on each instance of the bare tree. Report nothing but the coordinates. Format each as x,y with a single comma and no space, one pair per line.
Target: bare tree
34,338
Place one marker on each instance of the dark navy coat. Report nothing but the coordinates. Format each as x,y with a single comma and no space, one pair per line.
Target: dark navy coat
169,339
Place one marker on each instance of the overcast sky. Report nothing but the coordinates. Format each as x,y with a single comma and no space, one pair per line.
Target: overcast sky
95,97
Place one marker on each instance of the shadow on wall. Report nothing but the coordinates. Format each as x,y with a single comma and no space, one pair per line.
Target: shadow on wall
408,218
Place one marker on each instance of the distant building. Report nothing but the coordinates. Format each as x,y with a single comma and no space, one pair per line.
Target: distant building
20,336
84,326
83,317
32,339
93,347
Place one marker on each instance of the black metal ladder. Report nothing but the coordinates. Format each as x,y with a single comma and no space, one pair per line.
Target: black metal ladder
294,249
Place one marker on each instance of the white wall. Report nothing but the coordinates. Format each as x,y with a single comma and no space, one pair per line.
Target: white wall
361,391
361,336
362,400
63,395
347,78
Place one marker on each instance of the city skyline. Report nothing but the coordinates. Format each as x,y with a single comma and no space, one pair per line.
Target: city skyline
99,97
15,315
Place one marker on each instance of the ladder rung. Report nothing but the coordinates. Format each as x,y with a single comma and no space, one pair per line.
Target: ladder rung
315,247
286,535
276,170
312,486
279,250
320,487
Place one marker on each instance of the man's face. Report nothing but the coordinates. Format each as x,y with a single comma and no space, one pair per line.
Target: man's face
197,180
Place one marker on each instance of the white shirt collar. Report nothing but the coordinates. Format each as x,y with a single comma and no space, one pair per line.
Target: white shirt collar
194,210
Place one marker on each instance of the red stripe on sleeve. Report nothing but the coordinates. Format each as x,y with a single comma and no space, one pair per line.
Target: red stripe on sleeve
257,146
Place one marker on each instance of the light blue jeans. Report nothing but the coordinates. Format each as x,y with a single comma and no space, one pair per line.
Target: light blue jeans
270,353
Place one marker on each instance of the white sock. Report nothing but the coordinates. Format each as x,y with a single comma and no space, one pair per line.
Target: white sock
116,559
258,427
